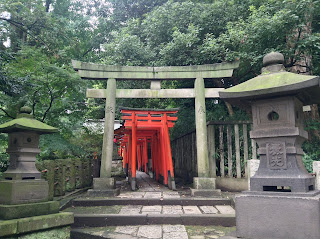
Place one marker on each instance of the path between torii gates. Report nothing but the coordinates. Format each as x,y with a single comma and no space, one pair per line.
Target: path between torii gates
153,211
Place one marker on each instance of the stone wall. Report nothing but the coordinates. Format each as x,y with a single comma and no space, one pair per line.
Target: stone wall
65,175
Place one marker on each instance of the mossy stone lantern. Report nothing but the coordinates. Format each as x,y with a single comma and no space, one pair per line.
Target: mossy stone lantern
22,182
282,201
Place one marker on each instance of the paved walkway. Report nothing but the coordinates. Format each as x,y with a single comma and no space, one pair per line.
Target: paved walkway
150,189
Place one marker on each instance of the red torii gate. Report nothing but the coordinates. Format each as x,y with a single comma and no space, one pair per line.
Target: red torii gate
143,126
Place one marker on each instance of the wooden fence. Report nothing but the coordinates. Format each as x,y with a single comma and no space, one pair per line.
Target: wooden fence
229,148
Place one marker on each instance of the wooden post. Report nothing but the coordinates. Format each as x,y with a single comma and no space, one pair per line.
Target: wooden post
201,128
229,142
212,151
237,142
107,147
134,153
221,149
245,147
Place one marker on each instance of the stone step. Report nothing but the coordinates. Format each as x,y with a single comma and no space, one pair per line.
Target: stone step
102,220
90,202
164,231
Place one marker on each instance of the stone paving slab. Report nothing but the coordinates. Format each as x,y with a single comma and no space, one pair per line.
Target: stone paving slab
175,235
130,209
208,209
225,209
150,231
175,209
151,210
164,231
153,195
191,210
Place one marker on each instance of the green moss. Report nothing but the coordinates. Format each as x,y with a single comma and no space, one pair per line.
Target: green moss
69,175
269,81
8,227
27,124
59,178
209,230
59,233
9,212
92,210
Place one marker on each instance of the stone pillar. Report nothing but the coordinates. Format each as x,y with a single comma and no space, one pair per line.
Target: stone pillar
201,129
103,186
203,184
316,171
253,166
107,148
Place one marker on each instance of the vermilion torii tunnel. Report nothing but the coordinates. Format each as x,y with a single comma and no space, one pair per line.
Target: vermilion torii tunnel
145,127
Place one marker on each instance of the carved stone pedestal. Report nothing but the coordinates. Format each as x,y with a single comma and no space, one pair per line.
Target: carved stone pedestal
23,191
204,187
104,187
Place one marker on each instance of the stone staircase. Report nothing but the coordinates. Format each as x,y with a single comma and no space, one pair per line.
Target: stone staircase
153,211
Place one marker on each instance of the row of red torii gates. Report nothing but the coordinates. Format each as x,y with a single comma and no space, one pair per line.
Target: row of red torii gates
143,127
206,168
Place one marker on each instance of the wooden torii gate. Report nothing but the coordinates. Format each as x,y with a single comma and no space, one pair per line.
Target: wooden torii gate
206,169
142,126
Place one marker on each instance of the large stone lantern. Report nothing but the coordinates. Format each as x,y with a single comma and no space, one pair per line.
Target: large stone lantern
282,202
22,182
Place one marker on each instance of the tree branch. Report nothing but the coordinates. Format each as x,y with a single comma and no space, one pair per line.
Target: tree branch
52,98
21,26
7,114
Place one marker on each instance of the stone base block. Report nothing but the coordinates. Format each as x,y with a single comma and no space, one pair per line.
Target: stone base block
204,183
32,224
8,212
104,183
104,193
205,192
277,217
23,191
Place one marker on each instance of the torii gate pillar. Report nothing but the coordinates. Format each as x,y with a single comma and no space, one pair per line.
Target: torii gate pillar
204,185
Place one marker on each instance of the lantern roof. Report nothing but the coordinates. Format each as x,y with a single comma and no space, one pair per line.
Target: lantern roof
275,81
26,122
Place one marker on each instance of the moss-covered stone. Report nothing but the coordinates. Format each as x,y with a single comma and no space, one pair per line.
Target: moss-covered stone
93,210
87,172
46,168
8,212
7,228
18,191
59,178
44,222
57,233
78,172
26,124
70,180
269,81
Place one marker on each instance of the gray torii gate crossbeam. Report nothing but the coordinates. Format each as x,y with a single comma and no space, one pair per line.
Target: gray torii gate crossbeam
206,168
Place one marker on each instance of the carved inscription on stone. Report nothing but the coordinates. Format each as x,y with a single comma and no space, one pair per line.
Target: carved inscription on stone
276,155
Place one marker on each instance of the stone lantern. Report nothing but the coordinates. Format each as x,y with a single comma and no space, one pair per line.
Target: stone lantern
282,201
22,182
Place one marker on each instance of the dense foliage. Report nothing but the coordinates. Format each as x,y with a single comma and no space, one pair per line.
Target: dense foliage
38,39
